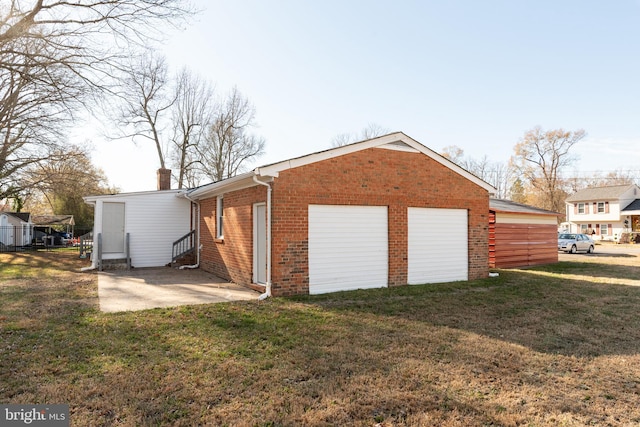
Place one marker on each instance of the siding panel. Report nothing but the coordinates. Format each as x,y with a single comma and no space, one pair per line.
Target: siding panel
154,220
521,245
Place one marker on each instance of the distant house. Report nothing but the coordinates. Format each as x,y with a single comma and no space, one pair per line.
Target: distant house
16,229
60,222
604,212
521,235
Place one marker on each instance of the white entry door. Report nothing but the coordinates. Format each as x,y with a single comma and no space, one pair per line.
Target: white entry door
437,245
260,243
112,227
348,248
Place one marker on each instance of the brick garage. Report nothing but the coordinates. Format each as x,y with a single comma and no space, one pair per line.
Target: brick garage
392,175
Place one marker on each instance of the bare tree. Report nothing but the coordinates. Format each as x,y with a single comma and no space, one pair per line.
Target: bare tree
455,154
228,143
53,56
82,35
146,98
540,158
495,173
597,179
372,130
192,112
500,176
35,106
59,183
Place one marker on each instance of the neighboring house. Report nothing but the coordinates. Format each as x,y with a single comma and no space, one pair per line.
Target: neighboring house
521,235
604,212
382,212
16,229
48,222
139,227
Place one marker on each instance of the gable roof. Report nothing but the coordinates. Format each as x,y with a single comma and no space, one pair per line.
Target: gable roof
393,141
507,206
53,220
600,193
22,216
633,206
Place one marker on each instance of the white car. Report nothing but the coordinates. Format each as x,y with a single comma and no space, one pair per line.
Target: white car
575,242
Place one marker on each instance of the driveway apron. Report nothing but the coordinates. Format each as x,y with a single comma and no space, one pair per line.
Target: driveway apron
145,288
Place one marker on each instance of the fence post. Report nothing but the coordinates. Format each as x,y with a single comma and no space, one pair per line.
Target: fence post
128,253
99,252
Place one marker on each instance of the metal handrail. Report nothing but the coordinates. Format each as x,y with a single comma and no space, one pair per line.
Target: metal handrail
183,246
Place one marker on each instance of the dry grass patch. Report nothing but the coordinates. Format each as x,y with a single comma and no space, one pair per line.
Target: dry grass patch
531,347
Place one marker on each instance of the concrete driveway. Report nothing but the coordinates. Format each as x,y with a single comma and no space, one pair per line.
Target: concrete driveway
145,288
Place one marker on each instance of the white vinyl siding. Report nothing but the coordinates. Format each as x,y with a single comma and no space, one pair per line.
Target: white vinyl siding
348,248
437,245
154,220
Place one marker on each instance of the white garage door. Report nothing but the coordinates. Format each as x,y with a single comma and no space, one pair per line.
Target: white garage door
437,245
348,248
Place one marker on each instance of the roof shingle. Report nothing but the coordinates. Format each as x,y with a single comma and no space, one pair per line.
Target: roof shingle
599,193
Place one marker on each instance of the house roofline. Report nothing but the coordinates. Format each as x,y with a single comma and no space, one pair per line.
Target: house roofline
20,216
91,200
393,141
390,141
526,212
519,208
577,197
235,183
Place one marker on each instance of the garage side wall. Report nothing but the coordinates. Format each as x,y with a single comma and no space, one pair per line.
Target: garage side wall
520,240
371,177
230,258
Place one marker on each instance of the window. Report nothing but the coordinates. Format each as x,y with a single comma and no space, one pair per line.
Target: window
219,217
601,207
581,208
583,228
604,229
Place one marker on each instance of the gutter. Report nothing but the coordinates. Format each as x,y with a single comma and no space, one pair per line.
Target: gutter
267,292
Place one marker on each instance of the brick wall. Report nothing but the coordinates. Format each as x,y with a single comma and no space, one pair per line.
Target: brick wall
230,258
376,177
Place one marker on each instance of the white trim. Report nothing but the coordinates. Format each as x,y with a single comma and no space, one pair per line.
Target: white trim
386,141
399,147
220,217
395,141
91,200
238,182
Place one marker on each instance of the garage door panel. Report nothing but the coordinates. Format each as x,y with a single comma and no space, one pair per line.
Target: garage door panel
348,248
437,245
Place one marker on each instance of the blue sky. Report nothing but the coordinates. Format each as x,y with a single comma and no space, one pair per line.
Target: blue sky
459,72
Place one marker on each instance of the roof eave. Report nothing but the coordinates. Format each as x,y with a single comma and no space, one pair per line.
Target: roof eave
526,212
274,169
217,188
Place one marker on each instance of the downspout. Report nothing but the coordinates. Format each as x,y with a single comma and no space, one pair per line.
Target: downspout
267,292
199,246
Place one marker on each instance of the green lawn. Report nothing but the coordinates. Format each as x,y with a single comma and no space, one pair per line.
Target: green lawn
547,346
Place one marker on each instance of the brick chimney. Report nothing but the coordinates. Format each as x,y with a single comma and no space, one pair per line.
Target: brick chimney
164,179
